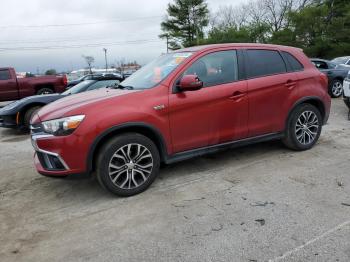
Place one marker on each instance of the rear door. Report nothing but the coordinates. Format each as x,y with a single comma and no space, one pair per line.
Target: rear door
8,86
270,87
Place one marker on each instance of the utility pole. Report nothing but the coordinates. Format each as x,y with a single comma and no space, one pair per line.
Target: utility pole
105,50
167,43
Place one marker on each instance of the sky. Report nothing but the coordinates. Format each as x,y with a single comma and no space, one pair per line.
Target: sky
128,29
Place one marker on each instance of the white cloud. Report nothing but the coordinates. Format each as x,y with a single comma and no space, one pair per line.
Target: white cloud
43,12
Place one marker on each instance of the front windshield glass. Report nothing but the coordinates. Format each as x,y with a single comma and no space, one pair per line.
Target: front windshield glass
340,60
156,71
78,88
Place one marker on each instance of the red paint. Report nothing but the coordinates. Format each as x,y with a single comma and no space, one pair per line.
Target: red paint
16,88
187,119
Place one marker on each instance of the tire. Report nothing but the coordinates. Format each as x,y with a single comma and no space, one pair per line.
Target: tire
115,171
299,127
28,115
44,91
336,88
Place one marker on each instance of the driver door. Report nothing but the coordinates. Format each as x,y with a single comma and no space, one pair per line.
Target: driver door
215,114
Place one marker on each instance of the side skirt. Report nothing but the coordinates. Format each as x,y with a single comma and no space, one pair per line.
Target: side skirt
215,148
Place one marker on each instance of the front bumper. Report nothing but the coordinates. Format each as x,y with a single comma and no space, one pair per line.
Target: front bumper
58,156
8,121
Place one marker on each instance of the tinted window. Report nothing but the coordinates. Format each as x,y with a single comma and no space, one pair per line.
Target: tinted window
265,62
215,68
320,64
294,63
105,83
5,75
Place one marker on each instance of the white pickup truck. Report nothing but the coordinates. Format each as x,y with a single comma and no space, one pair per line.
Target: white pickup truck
346,89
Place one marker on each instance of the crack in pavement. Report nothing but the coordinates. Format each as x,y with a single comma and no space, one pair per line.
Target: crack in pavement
294,250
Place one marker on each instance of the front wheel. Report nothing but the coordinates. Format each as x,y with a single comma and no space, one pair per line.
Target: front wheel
128,164
28,115
303,128
336,88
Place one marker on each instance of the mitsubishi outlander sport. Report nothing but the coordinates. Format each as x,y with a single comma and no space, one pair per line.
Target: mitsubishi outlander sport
184,104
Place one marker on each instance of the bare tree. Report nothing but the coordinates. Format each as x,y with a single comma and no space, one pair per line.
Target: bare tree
89,60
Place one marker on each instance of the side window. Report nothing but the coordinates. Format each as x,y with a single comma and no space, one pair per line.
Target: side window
5,75
216,68
265,62
320,64
101,84
294,63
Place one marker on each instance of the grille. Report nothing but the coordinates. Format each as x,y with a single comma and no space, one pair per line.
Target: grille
50,162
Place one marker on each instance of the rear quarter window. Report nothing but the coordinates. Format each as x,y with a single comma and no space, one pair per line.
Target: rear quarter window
264,63
293,62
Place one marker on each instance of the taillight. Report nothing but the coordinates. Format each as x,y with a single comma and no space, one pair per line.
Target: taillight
65,80
324,80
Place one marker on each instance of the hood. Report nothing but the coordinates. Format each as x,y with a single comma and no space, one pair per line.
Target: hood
65,105
17,105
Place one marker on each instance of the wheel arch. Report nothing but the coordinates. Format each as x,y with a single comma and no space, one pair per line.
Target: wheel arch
41,86
137,127
25,108
313,100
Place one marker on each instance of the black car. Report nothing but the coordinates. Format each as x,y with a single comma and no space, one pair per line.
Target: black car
18,114
92,77
335,75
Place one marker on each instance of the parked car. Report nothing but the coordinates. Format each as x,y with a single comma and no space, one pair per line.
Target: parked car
342,62
346,88
335,75
92,77
184,104
18,114
13,88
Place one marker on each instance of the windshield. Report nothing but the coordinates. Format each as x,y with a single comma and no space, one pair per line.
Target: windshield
156,71
79,87
340,60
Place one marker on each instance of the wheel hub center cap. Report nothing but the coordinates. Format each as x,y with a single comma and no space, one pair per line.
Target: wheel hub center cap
130,165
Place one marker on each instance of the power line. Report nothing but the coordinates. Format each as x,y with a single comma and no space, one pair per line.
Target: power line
79,24
39,48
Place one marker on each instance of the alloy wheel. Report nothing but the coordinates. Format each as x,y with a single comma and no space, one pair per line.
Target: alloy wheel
130,166
337,88
306,128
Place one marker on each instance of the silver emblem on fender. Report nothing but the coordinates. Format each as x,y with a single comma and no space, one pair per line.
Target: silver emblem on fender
159,107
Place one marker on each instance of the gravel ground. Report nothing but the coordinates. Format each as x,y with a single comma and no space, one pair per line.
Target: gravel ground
257,203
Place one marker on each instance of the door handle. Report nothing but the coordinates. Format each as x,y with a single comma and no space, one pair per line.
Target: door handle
290,84
237,95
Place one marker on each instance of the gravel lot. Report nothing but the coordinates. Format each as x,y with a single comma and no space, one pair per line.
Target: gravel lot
256,203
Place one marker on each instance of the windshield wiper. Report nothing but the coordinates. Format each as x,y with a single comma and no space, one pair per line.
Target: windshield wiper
124,87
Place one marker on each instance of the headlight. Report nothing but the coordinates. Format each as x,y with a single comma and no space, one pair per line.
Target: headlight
62,126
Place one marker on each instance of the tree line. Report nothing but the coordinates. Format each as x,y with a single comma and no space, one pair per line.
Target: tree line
320,27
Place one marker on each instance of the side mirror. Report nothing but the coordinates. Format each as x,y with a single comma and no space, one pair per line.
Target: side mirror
190,83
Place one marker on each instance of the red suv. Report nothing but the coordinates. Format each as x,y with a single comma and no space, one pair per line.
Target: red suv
184,104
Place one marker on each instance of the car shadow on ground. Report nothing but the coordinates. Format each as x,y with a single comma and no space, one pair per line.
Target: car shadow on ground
13,135
87,186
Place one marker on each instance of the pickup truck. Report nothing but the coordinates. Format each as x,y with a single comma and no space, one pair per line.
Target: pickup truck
13,88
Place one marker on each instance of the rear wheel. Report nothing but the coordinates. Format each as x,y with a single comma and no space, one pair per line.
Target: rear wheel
336,88
303,128
128,164
44,91
28,115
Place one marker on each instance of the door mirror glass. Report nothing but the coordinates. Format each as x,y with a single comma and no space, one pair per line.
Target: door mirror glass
190,83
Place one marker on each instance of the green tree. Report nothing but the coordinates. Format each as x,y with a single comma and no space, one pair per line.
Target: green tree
185,22
51,72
